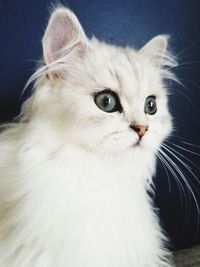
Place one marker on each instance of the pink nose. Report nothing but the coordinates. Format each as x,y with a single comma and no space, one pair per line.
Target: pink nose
139,129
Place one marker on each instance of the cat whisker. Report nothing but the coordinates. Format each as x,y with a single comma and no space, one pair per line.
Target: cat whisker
189,68
167,148
182,84
191,82
190,144
105,139
188,99
189,170
181,138
190,55
186,49
173,172
165,168
184,157
185,149
180,172
188,63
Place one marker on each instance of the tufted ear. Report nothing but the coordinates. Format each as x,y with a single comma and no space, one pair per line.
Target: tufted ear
156,50
62,34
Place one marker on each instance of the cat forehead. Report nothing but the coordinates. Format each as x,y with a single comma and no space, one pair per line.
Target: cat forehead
124,70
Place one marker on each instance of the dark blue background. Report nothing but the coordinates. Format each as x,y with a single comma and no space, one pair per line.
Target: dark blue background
124,22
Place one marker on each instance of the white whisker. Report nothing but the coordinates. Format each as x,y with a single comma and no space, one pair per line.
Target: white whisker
191,82
180,172
179,184
165,168
190,144
186,49
181,155
183,163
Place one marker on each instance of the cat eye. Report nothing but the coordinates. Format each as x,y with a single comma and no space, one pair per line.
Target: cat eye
150,106
108,101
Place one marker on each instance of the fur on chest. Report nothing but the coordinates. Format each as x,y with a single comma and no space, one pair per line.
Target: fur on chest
76,210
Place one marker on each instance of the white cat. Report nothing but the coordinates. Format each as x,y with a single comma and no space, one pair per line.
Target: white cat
75,169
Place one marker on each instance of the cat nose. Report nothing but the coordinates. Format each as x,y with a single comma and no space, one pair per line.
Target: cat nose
139,129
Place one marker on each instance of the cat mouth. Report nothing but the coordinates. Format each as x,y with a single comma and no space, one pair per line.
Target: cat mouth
138,143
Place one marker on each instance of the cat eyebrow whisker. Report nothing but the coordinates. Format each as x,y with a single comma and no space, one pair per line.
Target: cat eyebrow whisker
186,49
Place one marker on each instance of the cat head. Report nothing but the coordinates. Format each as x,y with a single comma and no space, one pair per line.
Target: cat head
102,97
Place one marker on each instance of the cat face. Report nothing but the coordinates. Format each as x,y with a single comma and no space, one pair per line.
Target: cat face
107,99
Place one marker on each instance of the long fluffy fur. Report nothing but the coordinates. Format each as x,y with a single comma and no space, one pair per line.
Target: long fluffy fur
73,188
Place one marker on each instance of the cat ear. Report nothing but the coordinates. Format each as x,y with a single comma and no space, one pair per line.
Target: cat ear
156,50
63,31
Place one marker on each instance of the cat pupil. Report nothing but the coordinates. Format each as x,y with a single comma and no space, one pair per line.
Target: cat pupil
106,101
151,105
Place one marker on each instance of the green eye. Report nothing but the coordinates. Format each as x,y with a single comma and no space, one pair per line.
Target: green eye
108,101
150,105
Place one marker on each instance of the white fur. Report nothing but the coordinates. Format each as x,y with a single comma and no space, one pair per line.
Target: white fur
73,184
